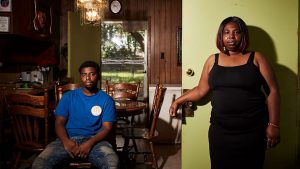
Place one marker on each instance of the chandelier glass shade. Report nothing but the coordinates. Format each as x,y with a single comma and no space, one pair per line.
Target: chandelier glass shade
91,11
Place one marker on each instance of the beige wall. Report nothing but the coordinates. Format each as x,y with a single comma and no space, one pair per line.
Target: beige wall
84,44
273,26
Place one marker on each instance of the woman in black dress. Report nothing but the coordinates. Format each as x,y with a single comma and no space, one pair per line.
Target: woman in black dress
244,119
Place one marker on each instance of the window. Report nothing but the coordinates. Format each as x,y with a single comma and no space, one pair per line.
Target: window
123,52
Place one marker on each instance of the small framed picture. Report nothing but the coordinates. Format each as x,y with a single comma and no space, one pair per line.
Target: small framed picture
42,21
4,23
5,5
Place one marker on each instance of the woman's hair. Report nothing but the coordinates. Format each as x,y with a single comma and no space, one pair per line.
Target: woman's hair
89,64
244,33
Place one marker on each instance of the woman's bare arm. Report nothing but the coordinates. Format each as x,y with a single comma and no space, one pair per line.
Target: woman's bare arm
197,92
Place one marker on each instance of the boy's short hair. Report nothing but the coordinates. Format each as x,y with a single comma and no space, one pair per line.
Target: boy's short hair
89,64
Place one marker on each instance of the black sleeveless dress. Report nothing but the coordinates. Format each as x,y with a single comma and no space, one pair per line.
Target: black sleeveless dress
237,134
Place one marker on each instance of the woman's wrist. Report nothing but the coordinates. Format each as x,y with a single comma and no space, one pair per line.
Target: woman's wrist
276,125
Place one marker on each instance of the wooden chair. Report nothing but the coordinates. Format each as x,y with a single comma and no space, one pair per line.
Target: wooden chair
30,124
147,133
61,89
123,91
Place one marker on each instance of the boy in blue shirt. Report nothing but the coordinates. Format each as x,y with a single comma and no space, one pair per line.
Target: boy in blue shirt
84,118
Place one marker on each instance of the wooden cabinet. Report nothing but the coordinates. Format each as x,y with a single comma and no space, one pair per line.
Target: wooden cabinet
33,34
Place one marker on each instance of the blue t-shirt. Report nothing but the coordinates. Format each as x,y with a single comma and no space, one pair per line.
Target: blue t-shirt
85,114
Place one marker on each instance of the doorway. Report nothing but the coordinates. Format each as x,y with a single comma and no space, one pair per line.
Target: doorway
124,53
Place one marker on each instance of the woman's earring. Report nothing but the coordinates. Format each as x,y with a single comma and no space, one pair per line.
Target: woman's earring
224,49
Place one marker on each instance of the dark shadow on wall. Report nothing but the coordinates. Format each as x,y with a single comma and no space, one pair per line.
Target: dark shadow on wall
165,130
284,155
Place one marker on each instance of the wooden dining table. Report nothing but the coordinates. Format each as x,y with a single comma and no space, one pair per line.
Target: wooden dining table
126,108
31,91
35,90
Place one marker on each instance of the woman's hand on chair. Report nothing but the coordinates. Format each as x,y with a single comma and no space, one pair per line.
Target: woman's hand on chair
173,109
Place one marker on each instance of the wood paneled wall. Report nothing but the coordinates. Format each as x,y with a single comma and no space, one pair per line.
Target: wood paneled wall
164,17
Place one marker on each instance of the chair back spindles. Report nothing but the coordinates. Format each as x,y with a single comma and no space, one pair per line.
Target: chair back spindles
123,91
30,123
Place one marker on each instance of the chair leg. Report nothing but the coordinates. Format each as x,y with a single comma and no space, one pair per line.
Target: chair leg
125,146
153,155
17,160
134,145
132,120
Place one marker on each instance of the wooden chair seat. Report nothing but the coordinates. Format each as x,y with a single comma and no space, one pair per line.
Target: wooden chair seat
79,163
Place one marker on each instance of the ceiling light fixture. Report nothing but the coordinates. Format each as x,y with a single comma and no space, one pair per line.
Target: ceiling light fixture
91,11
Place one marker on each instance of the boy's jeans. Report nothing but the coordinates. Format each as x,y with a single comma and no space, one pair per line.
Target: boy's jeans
101,155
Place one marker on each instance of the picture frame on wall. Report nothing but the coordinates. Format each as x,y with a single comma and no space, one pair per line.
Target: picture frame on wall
42,21
5,5
4,23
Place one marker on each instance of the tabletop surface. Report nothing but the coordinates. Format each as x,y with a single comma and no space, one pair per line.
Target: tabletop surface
32,91
129,107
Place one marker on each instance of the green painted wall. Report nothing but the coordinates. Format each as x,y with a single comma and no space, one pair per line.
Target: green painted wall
273,26
84,44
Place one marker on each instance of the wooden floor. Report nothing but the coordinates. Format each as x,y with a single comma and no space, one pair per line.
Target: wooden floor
168,156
